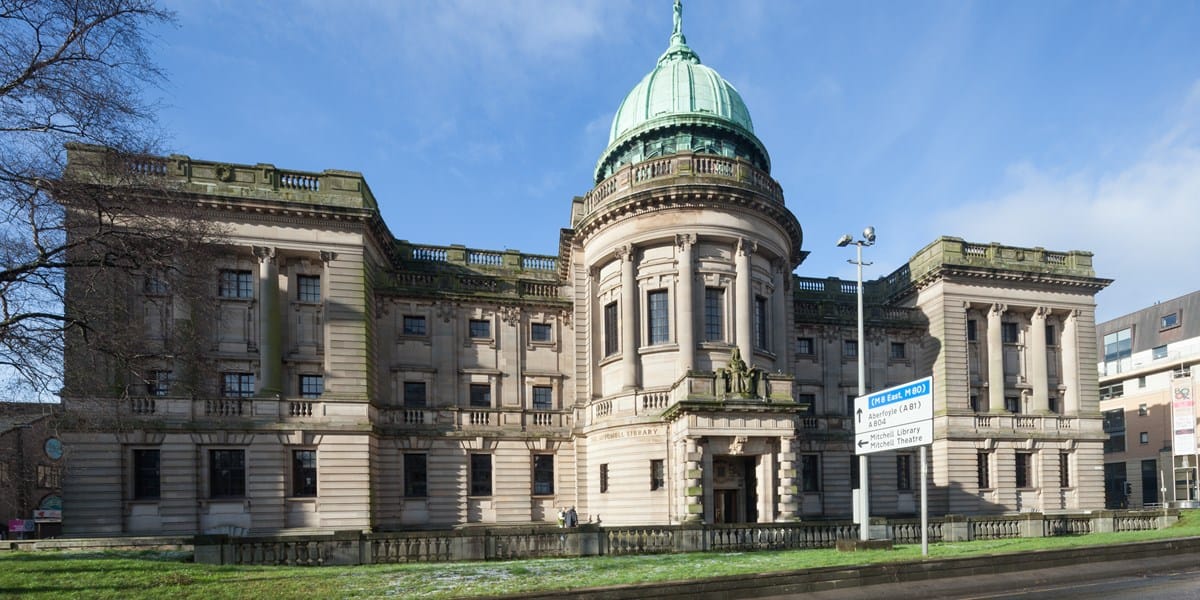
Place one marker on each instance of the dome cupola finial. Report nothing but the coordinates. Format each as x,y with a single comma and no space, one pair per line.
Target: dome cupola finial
677,31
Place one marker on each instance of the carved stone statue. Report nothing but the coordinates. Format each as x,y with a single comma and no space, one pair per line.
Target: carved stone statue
678,19
740,379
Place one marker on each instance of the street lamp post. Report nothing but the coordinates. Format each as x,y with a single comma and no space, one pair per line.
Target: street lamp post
864,499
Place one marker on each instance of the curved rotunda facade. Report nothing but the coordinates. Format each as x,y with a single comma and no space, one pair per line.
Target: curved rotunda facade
667,366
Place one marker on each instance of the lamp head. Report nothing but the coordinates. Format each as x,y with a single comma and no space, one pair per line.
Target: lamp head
844,240
869,234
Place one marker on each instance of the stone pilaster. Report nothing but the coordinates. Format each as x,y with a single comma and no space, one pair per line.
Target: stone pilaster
779,321
694,482
686,299
995,359
744,303
789,507
629,298
270,332
1070,363
1038,375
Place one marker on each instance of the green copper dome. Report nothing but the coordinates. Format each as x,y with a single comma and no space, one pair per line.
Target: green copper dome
678,86
680,106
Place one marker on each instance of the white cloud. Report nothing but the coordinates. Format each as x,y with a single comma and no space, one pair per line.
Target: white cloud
1141,220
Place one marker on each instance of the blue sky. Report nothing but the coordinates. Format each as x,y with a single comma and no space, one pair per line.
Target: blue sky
1067,125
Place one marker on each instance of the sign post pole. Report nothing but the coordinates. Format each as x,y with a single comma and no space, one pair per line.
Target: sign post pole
924,504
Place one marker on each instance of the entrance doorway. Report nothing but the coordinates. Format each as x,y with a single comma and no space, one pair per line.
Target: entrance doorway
735,489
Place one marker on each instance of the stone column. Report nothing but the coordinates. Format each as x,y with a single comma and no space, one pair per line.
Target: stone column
1038,375
788,507
694,482
270,333
1070,363
629,297
743,301
686,301
779,328
995,359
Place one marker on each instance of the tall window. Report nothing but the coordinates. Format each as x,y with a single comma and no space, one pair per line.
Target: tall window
158,383
539,332
808,402
543,397
1118,351
237,385
1012,404
1064,469
604,478
543,474
226,473
480,328
983,469
1024,466
308,288
414,325
850,348
897,351
657,474
611,343
415,476
481,395
714,314
146,474
760,323
1008,333
312,386
304,473
235,284
481,474
658,323
414,394
1114,426
971,330
805,346
810,472
1050,339
904,472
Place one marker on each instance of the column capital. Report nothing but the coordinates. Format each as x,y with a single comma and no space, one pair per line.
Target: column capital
264,253
1041,312
328,257
746,246
624,252
685,241
997,309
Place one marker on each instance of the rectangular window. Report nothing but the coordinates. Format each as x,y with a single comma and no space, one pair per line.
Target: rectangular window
897,352
1064,469
158,383
226,473
1169,321
657,474
312,386
1143,410
49,476
414,394
414,325
1142,381
539,332
481,395
308,288
415,476
850,348
1144,437
481,474
904,463
1024,466
974,402
611,337
1012,404
1115,443
714,314
304,473
805,346
983,469
1158,352
810,472
760,323
1050,339
237,385
1052,404
808,402
971,329
543,474
850,400
543,397
1118,351
1115,390
480,328
1008,333
604,478
658,323
146,474
235,284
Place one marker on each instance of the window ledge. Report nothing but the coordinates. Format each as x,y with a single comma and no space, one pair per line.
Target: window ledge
656,348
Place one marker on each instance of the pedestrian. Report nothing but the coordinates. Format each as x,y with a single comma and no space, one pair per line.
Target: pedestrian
572,517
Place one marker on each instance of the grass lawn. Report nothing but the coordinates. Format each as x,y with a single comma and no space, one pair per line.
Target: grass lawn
61,576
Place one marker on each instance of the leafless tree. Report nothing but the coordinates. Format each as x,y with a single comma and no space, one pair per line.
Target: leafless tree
75,71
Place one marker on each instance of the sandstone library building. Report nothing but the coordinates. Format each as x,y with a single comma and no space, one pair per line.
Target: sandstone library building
667,365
